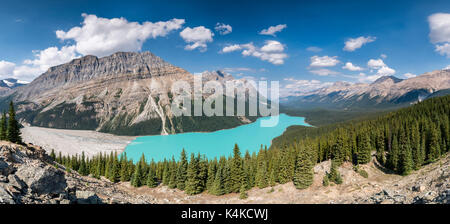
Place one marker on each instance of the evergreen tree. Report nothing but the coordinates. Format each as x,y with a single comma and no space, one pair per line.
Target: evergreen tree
303,175
243,192
182,171
83,170
365,150
334,174
193,181
138,176
13,129
3,127
151,179
236,170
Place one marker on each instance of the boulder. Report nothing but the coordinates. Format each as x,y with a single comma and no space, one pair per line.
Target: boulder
4,168
15,182
5,197
87,197
42,179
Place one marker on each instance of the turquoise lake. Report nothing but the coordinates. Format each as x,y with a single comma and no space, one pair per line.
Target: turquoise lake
212,144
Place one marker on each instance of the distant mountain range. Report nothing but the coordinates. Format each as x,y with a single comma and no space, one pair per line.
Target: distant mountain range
386,92
8,84
126,93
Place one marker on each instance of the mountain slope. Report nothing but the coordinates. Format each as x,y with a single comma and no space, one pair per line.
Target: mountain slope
125,93
387,91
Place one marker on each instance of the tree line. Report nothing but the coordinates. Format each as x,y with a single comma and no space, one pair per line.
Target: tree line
402,141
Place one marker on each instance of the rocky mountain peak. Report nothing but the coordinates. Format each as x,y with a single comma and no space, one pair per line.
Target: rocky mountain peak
389,78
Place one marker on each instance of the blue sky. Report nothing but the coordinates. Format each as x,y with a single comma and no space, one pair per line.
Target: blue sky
396,35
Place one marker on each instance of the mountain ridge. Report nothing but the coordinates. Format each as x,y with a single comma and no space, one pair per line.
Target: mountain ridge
387,91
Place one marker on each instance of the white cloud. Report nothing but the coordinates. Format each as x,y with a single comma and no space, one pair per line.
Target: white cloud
382,68
52,56
384,56
324,61
383,71
323,72
409,75
443,49
314,49
42,61
272,51
197,36
273,29
231,48
354,43
223,29
102,36
296,87
375,63
440,32
446,68
6,69
349,66
439,27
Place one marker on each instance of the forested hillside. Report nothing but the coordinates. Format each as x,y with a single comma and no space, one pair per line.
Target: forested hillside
403,140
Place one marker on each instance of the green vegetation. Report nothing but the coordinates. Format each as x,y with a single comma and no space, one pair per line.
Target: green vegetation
10,127
402,141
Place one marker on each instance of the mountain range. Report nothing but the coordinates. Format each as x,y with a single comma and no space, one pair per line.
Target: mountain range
125,93
129,93
385,92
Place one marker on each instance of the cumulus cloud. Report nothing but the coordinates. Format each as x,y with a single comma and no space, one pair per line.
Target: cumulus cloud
375,63
223,29
6,69
297,87
324,61
439,24
382,68
197,37
349,66
314,49
354,43
102,36
323,72
409,75
272,51
383,71
43,60
273,29
231,48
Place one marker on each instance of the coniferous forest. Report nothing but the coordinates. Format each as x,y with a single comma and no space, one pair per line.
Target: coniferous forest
401,141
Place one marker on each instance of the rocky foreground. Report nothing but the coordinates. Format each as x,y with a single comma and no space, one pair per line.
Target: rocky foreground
29,176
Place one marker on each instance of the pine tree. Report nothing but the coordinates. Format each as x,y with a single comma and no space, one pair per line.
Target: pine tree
82,170
182,171
53,155
173,174
303,174
243,192
334,174
138,176
13,130
193,180
151,179
236,170
3,127
365,149
124,169
217,187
